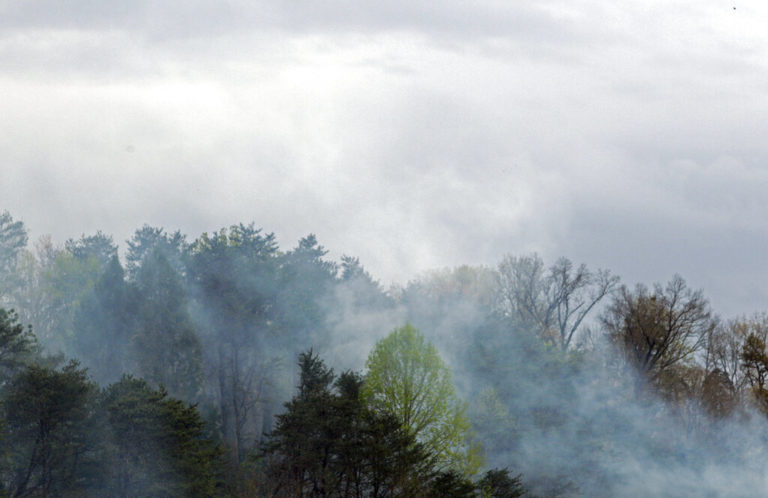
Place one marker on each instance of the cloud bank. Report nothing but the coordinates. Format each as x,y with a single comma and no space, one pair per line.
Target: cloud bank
411,134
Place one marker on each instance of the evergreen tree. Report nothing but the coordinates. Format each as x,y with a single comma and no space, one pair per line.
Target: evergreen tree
167,350
360,288
155,445
304,289
47,412
329,443
450,484
233,278
104,323
497,483
99,246
17,345
147,241
13,240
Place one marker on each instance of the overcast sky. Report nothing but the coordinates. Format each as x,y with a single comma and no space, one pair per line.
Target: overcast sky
414,134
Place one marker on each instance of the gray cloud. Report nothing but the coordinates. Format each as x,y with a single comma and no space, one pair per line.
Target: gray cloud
412,134
206,18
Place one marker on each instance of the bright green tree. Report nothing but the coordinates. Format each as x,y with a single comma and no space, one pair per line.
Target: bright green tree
328,442
407,378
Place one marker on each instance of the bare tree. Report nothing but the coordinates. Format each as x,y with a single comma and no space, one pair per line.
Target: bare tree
522,289
243,382
725,346
659,330
554,302
575,294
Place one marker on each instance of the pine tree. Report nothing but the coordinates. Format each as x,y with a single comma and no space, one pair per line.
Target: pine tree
166,347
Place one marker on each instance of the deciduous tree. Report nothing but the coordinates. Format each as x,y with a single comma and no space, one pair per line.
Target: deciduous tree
330,443
659,330
553,301
754,357
407,377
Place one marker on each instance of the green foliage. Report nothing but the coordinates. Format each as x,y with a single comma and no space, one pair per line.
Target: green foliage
330,443
155,444
304,282
450,484
13,239
149,240
32,298
166,347
497,483
67,281
754,357
64,439
407,377
17,345
104,323
99,246
252,306
48,414
233,275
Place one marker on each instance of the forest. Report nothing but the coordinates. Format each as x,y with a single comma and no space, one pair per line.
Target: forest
226,365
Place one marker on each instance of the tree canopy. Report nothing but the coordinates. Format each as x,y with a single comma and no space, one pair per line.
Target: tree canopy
406,377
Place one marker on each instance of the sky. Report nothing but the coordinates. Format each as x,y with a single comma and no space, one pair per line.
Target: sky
413,134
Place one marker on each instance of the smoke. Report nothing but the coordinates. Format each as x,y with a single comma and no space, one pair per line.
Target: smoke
585,424
579,423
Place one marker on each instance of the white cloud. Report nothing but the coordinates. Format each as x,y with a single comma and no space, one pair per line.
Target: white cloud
413,135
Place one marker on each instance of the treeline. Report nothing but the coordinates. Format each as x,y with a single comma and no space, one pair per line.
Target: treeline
184,377
62,435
